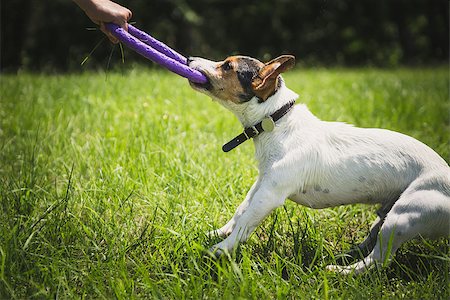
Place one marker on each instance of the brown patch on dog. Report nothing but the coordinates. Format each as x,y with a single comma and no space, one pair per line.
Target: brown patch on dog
230,88
233,78
265,84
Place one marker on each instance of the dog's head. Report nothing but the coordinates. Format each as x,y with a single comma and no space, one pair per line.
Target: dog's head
239,79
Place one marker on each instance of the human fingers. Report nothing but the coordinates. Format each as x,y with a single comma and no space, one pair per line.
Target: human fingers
122,18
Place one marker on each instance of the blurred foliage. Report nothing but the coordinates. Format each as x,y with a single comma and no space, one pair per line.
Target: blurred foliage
51,34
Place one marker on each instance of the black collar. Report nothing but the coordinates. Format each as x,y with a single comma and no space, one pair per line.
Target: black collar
267,124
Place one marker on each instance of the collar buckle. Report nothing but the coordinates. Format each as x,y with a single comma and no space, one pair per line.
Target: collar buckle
255,131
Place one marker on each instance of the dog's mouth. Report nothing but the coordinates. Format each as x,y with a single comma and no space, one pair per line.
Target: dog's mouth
202,86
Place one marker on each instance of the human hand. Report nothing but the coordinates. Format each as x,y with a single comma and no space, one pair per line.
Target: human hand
106,11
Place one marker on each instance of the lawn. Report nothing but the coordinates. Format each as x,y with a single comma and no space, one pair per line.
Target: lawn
109,182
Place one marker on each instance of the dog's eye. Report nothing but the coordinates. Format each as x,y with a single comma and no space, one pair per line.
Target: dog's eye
226,66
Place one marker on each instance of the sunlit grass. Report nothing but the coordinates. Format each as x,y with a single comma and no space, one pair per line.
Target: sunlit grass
108,185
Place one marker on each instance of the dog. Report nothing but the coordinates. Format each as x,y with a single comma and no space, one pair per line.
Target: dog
322,164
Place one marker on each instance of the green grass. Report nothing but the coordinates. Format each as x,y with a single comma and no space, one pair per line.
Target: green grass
109,183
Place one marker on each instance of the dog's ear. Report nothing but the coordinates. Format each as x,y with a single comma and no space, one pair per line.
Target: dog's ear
265,83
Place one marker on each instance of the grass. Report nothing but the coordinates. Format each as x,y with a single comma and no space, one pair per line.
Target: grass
109,183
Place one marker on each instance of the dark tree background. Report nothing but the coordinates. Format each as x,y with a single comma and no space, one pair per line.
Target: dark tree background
54,35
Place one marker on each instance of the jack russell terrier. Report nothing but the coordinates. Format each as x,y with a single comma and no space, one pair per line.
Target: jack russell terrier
324,164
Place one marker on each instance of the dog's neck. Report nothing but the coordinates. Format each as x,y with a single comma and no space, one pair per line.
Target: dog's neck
254,111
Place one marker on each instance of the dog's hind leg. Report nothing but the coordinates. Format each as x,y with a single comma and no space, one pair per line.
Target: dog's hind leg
417,212
385,246
368,244
395,230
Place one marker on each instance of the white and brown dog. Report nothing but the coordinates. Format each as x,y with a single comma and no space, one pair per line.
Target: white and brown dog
324,164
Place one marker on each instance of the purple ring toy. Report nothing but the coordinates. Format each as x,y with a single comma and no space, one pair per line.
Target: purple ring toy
158,52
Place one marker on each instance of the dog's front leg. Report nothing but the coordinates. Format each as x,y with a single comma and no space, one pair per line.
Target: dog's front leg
260,204
228,228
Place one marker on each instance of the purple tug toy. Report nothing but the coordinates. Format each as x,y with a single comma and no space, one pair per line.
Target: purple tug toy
158,52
